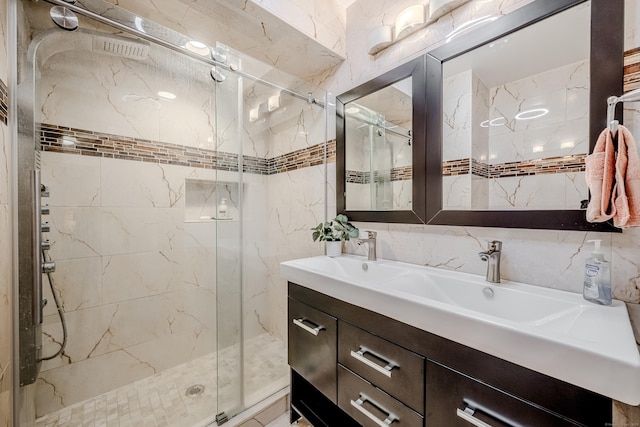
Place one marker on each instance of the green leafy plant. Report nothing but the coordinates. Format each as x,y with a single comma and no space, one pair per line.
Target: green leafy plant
335,230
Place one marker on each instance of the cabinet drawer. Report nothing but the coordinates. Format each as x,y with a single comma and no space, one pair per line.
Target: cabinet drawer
370,406
312,347
456,400
389,367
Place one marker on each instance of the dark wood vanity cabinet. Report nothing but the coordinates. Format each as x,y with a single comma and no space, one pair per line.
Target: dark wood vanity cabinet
313,345
371,370
457,400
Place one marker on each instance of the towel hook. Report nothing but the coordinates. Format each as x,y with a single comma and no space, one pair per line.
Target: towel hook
612,101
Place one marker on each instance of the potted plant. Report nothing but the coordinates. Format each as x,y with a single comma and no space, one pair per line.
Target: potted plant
334,232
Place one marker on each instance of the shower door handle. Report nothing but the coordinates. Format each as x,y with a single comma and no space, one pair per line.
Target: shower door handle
36,243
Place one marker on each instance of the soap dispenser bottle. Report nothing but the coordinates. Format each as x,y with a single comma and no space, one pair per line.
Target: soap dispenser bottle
597,277
222,209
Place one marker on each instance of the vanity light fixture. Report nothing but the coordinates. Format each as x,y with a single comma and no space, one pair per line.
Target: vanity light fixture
273,103
197,47
532,114
409,20
166,95
379,38
439,8
254,114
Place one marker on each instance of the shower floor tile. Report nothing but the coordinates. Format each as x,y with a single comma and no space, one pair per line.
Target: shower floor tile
161,400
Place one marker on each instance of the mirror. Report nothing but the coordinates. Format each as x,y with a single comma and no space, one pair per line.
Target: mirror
380,147
520,104
378,155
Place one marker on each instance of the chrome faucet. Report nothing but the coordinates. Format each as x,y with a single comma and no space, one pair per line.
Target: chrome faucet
492,256
371,243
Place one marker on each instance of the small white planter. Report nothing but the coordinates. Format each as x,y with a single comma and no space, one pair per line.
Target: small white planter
334,249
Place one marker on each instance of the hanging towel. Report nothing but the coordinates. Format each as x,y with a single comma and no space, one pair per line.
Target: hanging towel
626,193
600,173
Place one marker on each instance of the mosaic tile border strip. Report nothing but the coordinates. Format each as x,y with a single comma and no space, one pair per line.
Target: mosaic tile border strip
4,102
89,143
403,173
632,69
559,164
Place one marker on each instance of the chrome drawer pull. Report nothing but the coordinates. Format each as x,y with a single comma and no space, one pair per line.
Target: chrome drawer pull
467,415
358,405
384,370
314,331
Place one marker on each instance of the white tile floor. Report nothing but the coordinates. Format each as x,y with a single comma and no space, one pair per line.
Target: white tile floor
160,400
283,421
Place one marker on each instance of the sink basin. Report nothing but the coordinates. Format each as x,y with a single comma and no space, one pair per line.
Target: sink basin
508,302
554,332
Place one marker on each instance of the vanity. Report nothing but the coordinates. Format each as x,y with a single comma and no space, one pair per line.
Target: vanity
391,344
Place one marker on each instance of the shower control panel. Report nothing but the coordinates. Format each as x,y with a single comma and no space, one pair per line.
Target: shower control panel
40,246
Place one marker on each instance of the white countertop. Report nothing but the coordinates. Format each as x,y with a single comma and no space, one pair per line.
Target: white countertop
553,332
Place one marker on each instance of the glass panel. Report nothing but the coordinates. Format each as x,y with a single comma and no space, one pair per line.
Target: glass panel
168,222
229,199
127,149
282,197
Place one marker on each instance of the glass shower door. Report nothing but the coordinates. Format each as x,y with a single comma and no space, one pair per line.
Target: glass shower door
229,197
123,132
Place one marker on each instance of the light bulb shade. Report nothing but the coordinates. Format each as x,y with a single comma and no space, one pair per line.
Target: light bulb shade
254,114
273,103
379,38
438,8
409,20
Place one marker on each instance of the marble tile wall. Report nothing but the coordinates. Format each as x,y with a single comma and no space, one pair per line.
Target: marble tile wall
544,258
275,32
134,278
518,152
6,227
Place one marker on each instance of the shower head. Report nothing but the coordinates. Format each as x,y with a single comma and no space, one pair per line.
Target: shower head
218,75
121,46
64,18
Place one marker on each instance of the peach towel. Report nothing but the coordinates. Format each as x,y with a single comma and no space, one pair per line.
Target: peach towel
599,173
626,192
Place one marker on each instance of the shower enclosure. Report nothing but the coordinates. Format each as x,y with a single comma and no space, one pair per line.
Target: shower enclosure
160,192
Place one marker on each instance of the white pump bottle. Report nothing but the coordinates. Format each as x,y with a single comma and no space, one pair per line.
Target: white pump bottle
597,277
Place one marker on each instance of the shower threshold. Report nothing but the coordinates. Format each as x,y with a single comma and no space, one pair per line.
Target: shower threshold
169,398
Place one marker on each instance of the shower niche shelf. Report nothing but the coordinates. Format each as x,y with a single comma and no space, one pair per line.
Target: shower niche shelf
203,198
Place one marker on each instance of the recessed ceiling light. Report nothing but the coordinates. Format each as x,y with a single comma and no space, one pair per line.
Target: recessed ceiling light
166,95
568,144
498,121
197,47
532,114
